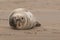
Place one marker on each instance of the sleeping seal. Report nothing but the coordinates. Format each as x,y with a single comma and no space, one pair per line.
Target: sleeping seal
22,18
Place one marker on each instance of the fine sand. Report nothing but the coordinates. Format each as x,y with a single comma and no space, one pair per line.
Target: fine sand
46,11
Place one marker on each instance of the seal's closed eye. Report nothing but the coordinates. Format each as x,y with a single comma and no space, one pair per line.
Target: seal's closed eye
22,18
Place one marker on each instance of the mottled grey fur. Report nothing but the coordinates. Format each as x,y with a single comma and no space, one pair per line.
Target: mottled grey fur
21,18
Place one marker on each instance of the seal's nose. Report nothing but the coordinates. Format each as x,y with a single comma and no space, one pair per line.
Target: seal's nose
18,22
17,19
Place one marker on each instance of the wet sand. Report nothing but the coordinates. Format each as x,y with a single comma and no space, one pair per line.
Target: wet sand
46,11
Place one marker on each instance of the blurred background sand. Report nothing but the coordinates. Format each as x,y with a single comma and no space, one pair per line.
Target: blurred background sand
46,11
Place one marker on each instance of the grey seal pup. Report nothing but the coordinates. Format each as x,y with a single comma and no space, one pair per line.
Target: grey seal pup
22,18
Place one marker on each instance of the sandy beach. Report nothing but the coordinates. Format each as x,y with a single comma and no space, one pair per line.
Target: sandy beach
46,11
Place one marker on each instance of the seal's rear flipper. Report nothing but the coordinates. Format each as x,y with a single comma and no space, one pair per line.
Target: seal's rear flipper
38,24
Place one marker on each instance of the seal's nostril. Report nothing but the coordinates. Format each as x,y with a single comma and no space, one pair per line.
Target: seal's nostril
17,19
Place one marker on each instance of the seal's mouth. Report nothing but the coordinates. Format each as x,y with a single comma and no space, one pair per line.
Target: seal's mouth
18,24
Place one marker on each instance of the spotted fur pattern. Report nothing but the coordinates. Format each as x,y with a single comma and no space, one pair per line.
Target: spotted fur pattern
22,18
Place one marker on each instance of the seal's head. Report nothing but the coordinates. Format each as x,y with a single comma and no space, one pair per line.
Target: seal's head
18,21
